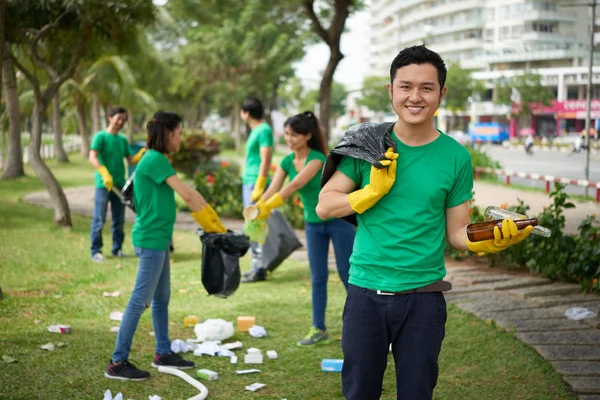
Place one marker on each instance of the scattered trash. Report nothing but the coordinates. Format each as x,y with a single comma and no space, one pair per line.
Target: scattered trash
48,346
207,374
172,371
116,316
111,294
257,331
244,323
154,397
225,353
8,359
577,313
214,329
114,329
108,396
64,329
61,344
233,359
36,321
255,386
331,365
253,350
57,296
247,371
151,333
209,348
272,354
232,345
190,321
253,358
179,346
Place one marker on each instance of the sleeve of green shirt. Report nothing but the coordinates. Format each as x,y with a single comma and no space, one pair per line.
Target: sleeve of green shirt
463,183
97,143
348,166
285,163
265,138
161,170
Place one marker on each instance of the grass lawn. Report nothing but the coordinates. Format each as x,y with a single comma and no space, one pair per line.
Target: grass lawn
47,278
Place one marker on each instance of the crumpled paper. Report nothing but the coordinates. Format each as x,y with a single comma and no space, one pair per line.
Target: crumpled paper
116,316
209,348
179,346
111,294
577,313
214,329
257,331
108,396
48,346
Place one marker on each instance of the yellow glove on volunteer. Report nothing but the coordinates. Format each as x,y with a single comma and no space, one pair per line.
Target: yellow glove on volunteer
509,236
265,207
259,188
208,219
138,155
380,184
106,177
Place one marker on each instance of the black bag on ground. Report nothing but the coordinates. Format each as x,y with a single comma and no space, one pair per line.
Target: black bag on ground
367,141
221,254
281,241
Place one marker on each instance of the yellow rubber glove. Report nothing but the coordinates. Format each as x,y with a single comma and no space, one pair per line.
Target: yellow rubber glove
259,188
106,177
208,219
380,184
138,155
509,236
265,207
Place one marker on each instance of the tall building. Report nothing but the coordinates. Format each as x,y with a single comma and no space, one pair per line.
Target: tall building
496,39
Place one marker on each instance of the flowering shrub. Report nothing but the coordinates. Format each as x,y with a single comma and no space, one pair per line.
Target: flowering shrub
221,185
197,148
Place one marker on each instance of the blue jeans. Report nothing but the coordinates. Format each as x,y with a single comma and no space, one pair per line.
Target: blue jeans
255,248
117,210
317,242
415,326
152,286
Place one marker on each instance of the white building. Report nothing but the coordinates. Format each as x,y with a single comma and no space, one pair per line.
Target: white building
496,38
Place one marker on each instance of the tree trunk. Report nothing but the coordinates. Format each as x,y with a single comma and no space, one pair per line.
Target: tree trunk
325,89
106,109
95,113
62,215
130,123
85,135
14,159
202,111
236,127
61,154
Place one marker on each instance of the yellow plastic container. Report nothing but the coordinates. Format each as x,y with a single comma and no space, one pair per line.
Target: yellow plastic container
190,321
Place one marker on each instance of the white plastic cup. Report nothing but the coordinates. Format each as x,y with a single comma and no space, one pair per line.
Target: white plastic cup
250,212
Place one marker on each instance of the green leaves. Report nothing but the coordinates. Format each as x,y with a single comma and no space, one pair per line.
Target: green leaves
374,94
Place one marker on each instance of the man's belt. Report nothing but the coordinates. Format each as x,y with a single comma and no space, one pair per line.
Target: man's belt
439,286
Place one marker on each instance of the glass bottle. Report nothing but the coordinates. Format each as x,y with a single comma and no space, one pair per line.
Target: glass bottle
480,231
493,212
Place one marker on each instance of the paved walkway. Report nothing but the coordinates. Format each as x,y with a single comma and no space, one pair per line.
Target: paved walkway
534,308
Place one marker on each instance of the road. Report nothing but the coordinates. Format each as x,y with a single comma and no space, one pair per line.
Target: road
563,165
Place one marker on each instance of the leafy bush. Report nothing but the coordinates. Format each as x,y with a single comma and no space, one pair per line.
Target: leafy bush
222,188
293,210
197,148
226,140
480,159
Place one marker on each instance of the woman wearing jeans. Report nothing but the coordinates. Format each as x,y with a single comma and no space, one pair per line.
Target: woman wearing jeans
155,183
303,166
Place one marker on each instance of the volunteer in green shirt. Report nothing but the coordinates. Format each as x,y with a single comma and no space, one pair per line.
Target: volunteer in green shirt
155,184
259,151
303,166
405,210
107,152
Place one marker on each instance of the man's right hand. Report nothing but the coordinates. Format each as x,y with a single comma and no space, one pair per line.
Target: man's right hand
106,177
381,181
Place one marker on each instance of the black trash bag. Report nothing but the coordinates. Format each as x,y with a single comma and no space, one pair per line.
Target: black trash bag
221,254
367,141
281,241
127,192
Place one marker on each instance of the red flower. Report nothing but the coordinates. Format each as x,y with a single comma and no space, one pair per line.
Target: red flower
210,179
224,164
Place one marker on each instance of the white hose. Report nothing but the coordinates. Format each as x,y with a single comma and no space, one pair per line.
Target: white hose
173,371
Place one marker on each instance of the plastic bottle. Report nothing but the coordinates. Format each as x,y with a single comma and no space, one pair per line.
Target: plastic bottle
485,230
493,213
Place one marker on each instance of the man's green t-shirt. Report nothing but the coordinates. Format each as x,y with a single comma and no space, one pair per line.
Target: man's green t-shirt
400,241
112,149
154,202
260,136
309,194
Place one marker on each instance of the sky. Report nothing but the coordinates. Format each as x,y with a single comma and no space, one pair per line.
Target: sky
352,69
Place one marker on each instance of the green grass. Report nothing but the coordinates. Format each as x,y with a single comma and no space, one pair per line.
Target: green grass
527,188
47,278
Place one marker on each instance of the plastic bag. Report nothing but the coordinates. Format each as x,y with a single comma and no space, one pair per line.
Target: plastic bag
214,329
221,254
367,141
281,241
127,192
577,313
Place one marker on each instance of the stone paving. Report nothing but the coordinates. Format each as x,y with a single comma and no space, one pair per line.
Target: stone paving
531,307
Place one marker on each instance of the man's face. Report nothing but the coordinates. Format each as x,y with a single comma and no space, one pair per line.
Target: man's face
118,121
244,116
416,93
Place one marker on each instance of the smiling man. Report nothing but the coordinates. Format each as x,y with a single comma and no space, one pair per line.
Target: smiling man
405,211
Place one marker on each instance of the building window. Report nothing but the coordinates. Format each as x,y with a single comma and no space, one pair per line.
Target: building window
572,92
504,32
517,31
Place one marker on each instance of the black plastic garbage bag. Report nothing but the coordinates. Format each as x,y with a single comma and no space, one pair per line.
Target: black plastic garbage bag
221,254
367,141
281,241
127,192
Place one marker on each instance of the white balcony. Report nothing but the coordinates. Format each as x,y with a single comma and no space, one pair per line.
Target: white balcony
433,12
535,55
421,34
552,16
554,37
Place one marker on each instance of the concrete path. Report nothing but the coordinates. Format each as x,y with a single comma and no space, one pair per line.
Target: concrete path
532,307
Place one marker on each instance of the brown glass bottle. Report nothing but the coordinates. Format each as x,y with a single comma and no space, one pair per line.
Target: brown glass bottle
485,230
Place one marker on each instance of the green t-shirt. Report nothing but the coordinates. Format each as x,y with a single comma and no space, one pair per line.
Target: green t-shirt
260,136
112,149
154,202
400,241
309,194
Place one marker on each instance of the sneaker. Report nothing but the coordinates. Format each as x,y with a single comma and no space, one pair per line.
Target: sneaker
125,371
315,336
255,276
120,254
173,360
98,257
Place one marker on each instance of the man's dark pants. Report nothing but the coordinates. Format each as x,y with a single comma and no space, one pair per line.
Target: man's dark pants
415,326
